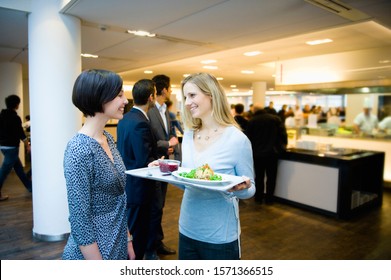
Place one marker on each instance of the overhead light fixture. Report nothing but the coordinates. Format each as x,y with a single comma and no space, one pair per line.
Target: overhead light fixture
89,55
253,53
233,86
247,72
318,42
384,61
219,78
141,33
208,61
148,72
210,67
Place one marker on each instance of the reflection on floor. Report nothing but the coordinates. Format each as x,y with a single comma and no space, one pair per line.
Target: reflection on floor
269,232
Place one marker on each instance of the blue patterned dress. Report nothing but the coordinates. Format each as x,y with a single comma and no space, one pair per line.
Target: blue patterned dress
96,198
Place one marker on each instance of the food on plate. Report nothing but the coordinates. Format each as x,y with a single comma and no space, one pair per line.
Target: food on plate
203,172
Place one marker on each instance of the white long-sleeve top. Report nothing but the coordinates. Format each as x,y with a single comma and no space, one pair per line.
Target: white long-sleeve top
213,216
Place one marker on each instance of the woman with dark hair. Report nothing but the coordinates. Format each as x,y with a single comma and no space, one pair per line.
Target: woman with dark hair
95,173
11,132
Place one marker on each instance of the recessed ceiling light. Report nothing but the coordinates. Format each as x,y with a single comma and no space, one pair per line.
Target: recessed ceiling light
253,53
219,78
89,55
318,42
186,75
210,67
247,72
235,89
141,33
208,61
233,86
148,72
384,61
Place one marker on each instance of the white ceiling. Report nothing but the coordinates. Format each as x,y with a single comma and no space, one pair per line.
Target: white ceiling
189,31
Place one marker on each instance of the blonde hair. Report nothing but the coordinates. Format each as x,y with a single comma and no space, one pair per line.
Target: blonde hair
221,110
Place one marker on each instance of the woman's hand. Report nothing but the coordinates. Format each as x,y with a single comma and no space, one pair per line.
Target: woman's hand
244,185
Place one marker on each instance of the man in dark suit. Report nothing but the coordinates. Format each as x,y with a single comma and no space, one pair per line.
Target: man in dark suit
268,138
166,141
137,146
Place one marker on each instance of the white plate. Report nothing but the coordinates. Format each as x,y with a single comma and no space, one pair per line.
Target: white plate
176,174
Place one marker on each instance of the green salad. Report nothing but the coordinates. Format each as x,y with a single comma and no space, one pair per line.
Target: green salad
202,173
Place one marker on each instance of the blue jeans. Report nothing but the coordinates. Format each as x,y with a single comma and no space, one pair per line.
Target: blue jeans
11,160
190,249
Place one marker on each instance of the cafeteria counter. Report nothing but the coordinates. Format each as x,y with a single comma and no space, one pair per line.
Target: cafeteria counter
339,183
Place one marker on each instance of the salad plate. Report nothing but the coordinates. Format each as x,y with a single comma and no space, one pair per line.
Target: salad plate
177,174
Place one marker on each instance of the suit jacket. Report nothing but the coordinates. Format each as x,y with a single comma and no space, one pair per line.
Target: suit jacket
267,134
159,131
137,146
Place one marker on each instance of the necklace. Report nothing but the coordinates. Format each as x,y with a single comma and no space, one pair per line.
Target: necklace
207,137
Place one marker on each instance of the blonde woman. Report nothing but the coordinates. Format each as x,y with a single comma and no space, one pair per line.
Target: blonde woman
209,225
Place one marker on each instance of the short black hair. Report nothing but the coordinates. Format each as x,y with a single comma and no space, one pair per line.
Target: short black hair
12,101
93,88
142,90
161,82
239,108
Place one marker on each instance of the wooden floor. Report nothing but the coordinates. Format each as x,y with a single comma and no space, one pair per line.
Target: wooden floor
275,232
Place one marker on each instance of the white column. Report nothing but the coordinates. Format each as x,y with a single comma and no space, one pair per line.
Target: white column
11,82
259,93
54,64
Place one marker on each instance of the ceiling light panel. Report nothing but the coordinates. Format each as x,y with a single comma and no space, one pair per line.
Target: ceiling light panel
253,53
318,42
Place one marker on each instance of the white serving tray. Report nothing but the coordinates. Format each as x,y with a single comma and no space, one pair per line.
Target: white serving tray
154,173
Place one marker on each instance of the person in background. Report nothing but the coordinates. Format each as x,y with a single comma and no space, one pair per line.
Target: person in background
299,116
333,118
26,125
269,139
11,133
242,121
166,142
175,124
209,225
95,173
137,147
233,109
270,109
249,114
283,113
290,118
385,124
365,122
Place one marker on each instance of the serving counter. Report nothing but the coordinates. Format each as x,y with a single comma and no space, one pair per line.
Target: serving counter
366,143
338,183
